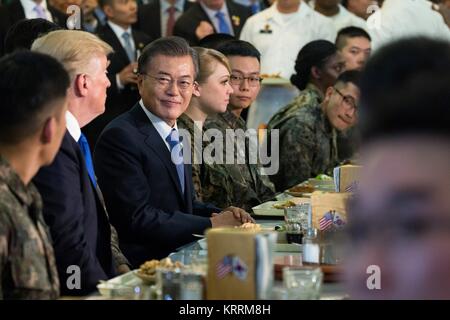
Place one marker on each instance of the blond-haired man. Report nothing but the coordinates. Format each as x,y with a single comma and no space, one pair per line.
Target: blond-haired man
73,204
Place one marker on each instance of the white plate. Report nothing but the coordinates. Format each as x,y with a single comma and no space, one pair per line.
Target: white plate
267,209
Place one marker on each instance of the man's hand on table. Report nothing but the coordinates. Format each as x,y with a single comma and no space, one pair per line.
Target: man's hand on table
231,216
240,214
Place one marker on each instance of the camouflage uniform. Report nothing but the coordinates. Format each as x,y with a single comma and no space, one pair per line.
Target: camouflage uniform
240,185
186,123
27,262
308,147
310,96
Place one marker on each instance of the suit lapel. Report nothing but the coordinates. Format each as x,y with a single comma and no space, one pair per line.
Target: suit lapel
16,11
233,12
115,43
97,192
203,16
154,141
139,43
156,18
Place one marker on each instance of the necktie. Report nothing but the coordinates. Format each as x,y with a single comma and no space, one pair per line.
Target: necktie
223,25
84,146
171,20
128,48
40,11
176,153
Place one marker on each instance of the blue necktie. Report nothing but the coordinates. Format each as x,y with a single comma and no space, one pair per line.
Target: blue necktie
128,47
176,153
84,146
223,25
255,7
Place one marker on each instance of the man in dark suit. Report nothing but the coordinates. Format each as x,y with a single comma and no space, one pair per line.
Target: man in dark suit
73,205
157,19
27,9
211,16
148,187
127,45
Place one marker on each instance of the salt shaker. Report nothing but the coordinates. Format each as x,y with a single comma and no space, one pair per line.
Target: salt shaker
311,247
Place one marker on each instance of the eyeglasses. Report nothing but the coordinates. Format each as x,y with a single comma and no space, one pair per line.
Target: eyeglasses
253,81
165,82
349,101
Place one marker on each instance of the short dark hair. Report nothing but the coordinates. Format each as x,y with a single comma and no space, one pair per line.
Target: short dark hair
214,40
239,48
29,83
22,33
167,46
314,54
405,90
348,33
102,3
349,76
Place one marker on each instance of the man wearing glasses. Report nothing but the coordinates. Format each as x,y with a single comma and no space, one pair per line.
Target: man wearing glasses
140,163
239,184
310,138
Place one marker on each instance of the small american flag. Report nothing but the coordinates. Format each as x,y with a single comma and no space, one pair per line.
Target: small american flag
326,221
224,267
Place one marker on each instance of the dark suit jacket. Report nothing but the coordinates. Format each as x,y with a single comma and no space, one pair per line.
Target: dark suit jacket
13,12
149,18
141,186
117,101
76,217
188,22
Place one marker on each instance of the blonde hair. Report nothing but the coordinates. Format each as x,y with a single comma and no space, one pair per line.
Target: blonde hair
73,48
208,59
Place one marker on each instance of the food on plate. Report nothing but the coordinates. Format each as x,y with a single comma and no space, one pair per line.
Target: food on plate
323,177
149,267
250,226
273,75
307,188
285,204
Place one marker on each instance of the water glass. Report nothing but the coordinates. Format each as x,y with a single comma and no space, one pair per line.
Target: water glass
302,283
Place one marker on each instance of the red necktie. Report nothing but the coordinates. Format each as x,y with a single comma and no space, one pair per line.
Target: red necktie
170,21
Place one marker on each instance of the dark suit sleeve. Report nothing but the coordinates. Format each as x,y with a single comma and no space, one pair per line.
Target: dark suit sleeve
121,171
60,187
204,209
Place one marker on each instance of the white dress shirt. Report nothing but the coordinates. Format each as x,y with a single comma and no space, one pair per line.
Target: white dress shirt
73,126
160,125
279,39
30,13
405,18
344,18
164,5
212,16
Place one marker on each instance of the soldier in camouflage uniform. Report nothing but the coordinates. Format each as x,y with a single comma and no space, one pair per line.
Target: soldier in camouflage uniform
27,262
317,67
238,184
310,96
213,93
308,140
32,125
242,184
